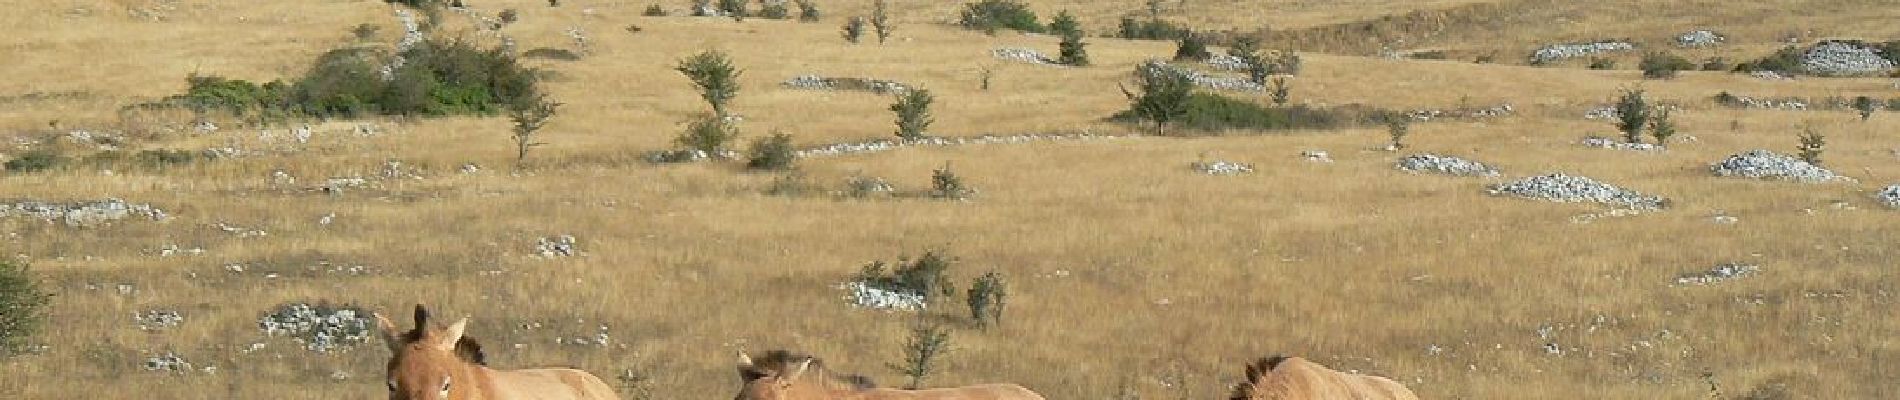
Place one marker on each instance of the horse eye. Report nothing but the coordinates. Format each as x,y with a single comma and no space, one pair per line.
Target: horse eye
392,385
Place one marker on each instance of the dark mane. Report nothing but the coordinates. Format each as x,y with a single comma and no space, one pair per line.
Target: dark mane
1269,363
466,348
782,362
1260,367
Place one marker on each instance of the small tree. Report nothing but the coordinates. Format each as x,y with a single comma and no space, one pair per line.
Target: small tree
945,184
22,307
853,29
1632,112
709,134
712,72
1282,91
986,298
772,153
1660,127
1812,143
529,115
1865,105
808,11
654,10
913,113
1191,47
1164,95
927,342
881,21
1073,50
1396,127
984,74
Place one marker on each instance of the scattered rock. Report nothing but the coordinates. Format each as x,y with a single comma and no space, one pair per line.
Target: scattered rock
1218,167
1445,165
1771,75
1614,144
556,246
866,296
153,320
1572,50
1764,164
1203,80
862,186
1721,272
1316,156
320,328
1023,55
1227,62
1789,103
239,231
337,184
1562,188
814,82
168,362
1889,196
1700,38
471,168
1424,115
879,145
81,213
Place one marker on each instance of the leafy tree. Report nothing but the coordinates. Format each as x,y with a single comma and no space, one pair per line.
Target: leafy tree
926,343
913,113
1660,127
1073,50
1191,47
1812,144
1632,113
709,134
712,72
1163,97
881,21
772,153
529,116
991,15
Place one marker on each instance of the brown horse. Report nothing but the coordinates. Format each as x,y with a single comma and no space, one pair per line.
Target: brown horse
1294,378
782,375
441,364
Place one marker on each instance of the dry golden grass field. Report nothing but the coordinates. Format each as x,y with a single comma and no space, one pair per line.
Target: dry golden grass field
1131,275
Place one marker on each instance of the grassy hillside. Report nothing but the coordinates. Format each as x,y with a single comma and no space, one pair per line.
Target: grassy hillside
1129,272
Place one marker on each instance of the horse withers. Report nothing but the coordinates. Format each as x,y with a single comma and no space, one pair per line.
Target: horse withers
442,364
1294,378
783,375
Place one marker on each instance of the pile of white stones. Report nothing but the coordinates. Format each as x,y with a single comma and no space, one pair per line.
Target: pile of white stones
867,296
1227,62
556,246
815,82
1218,167
1764,164
1203,80
1445,165
1836,58
1424,115
682,156
1700,38
321,328
1889,196
1770,75
869,185
153,320
1562,188
1614,144
82,213
1023,55
1571,50
879,145
1722,272
1794,104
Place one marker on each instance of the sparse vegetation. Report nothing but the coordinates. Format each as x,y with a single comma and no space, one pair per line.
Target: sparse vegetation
1865,106
945,184
1282,91
1191,48
36,160
734,8
1784,61
654,10
713,74
1602,63
927,342
853,29
1812,144
1073,50
986,298
1660,126
773,152
881,20
23,305
1396,127
529,115
1632,113
991,15
808,12
913,114
709,133
1151,29
770,9
1658,65
927,275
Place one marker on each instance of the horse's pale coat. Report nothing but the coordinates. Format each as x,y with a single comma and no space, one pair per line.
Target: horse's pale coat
1294,378
440,364
782,375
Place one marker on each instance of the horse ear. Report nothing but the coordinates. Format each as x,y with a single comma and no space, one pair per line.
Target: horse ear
802,365
453,334
745,361
388,329
422,316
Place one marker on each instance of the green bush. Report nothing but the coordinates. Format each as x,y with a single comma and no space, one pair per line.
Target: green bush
1163,98
1632,112
1191,47
1152,29
1786,61
927,342
774,10
1663,65
945,184
990,15
712,73
986,299
1812,144
710,133
654,10
927,275
808,11
36,161
1209,112
913,114
773,152
22,307
1601,63
853,29
1072,50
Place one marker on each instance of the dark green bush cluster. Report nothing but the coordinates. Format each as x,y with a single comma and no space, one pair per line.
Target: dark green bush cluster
926,275
773,152
36,160
1191,47
990,15
1786,61
22,307
1211,112
438,77
1152,29
1660,65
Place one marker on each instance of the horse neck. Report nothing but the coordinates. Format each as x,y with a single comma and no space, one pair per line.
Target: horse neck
479,380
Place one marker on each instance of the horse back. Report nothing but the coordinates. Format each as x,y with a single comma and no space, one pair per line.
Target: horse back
550,384
998,391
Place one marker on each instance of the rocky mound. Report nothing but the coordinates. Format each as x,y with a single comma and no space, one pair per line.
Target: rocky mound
1764,164
814,82
1720,273
1557,52
1203,80
1023,55
1563,188
1889,196
321,328
1700,38
1841,58
1445,165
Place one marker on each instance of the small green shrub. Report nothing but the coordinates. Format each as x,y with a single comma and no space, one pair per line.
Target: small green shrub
23,305
1209,112
1812,144
1660,126
926,275
36,160
1660,65
853,30
654,10
808,11
709,133
715,77
991,15
1785,61
1152,29
774,10
1191,48
1632,112
1865,106
945,184
913,114
881,20
986,299
1602,63
772,152
927,342
1072,50
1163,98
